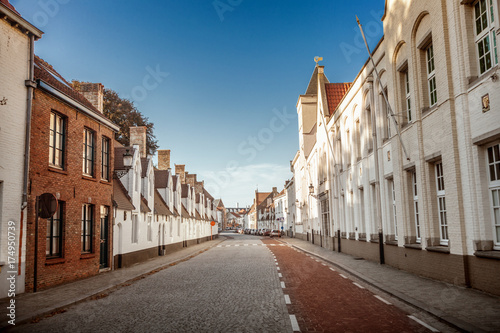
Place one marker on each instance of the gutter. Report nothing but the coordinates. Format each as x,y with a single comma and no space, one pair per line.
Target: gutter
65,98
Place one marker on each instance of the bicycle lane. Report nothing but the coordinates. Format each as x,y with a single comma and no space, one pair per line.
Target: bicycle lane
321,299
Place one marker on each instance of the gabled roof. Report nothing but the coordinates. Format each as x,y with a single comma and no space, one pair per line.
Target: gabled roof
312,88
161,206
185,213
144,166
8,5
261,196
161,178
334,94
176,212
121,199
144,205
197,215
53,80
185,190
207,195
174,183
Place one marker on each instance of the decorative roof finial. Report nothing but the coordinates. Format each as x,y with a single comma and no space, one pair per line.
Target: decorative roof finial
318,59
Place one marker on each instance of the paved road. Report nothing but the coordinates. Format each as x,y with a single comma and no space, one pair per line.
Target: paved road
245,284
231,288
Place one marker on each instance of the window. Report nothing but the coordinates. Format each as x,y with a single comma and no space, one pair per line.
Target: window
361,228
431,75
416,211
348,147
357,137
135,228
150,229
88,152
387,115
105,159
443,223
87,227
54,234
494,172
407,97
368,127
485,35
56,143
394,212
325,216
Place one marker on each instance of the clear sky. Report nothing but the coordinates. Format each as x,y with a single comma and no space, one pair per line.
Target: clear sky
219,79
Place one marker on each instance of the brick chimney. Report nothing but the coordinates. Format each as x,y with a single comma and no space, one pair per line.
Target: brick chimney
163,159
181,171
93,92
138,137
191,179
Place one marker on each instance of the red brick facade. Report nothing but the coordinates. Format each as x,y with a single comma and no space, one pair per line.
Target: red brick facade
72,189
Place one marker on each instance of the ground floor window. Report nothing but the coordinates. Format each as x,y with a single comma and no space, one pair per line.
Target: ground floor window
325,216
494,187
54,234
87,227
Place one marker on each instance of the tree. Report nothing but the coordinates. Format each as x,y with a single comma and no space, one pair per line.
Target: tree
123,113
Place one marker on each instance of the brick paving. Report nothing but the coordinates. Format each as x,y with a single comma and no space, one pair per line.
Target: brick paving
324,301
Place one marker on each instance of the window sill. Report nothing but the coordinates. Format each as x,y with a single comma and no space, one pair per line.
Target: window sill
374,241
428,110
476,80
488,254
439,249
89,178
105,182
58,170
392,243
54,261
362,239
413,246
87,255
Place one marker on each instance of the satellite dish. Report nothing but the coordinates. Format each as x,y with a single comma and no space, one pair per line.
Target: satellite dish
47,205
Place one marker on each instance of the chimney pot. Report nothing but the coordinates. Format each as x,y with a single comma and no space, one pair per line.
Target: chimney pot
164,159
138,137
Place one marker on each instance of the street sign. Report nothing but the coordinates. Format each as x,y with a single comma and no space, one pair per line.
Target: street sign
47,205
212,223
281,228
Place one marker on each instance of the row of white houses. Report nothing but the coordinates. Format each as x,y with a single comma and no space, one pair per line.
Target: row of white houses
156,209
418,190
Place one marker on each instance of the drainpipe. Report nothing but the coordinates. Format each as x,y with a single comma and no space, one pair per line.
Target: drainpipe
30,84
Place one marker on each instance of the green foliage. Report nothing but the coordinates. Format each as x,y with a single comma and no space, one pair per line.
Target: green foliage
123,113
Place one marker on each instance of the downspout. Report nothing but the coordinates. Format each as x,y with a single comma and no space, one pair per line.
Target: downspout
30,83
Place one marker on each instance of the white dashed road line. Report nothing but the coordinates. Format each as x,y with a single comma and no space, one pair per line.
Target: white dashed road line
358,285
424,324
332,269
295,324
283,285
287,300
345,277
383,300
280,275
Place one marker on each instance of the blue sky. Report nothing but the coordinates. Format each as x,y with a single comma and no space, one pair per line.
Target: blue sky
219,79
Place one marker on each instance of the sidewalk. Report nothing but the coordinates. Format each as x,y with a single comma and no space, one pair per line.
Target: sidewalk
466,309
32,305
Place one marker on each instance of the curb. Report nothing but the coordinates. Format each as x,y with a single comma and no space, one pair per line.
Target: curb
438,314
45,312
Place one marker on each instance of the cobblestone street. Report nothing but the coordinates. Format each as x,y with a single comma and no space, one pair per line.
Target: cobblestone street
243,284
230,288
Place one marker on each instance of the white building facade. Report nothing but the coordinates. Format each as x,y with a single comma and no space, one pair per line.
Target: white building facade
427,200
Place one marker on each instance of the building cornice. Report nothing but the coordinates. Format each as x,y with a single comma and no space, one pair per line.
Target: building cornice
19,22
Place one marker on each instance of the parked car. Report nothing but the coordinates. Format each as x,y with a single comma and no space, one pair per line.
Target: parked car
266,232
275,233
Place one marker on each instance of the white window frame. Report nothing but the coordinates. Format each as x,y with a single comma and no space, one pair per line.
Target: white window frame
431,74
486,37
416,212
57,140
394,210
494,191
325,216
408,97
135,228
150,229
89,147
441,205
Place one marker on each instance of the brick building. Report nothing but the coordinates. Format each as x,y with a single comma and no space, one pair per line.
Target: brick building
427,201
71,157
17,37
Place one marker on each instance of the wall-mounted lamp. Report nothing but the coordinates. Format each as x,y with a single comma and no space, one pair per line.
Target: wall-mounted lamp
127,164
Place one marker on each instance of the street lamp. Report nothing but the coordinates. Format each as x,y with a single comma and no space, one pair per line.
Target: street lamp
311,191
127,164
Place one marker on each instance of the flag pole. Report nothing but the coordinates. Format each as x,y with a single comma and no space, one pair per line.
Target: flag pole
393,117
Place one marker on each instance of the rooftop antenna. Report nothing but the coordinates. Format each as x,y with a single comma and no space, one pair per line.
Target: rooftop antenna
317,59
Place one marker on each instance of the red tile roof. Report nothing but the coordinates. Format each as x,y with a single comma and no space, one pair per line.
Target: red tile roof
334,94
8,5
